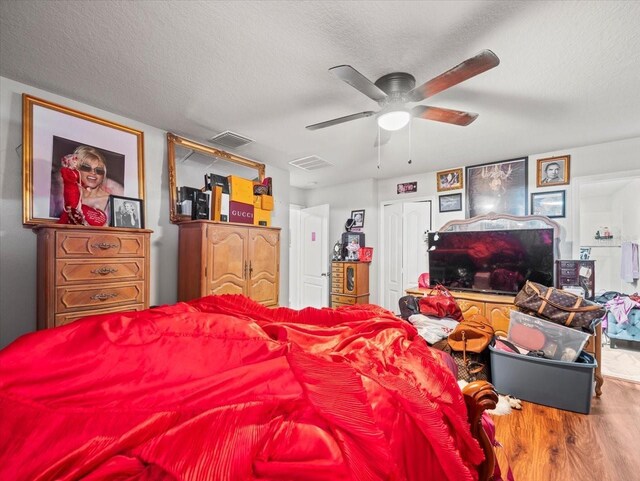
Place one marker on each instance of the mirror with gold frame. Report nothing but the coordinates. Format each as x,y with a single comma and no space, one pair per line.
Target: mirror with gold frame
190,161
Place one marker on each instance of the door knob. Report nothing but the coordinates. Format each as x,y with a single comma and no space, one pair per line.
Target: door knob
324,274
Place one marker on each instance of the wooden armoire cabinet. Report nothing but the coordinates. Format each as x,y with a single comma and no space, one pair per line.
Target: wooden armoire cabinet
84,271
223,258
349,283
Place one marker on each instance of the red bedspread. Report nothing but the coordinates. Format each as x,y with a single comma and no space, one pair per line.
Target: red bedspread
224,389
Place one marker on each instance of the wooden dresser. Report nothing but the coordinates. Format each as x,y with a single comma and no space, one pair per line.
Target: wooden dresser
84,271
225,258
349,283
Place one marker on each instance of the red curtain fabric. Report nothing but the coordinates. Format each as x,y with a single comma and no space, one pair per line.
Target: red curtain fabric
224,389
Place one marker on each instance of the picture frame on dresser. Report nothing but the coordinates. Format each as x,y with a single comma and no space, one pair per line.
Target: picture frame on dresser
51,133
126,212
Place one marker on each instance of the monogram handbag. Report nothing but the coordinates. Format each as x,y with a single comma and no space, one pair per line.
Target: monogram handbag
559,306
468,343
439,302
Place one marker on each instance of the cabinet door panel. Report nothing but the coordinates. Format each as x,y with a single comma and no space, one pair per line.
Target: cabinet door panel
227,263
470,308
264,266
499,315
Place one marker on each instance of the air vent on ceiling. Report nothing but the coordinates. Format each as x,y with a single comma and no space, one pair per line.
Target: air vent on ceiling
230,139
312,162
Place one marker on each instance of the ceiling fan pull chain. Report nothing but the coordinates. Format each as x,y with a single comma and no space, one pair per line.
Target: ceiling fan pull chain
410,140
379,141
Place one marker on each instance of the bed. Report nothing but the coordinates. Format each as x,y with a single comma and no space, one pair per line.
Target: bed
222,388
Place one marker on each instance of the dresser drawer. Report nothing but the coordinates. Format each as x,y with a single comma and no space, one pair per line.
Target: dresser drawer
62,319
569,281
567,272
92,244
342,299
567,264
73,271
83,297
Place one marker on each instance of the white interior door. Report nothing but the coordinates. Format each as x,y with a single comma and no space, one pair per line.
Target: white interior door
416,221
314,256
392,256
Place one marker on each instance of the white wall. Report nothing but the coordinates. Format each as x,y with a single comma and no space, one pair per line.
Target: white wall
342,199
18,244
611,157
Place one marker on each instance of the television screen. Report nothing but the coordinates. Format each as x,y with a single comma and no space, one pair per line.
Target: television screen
499,261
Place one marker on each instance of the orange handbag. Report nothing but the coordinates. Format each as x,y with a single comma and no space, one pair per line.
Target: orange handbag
471,335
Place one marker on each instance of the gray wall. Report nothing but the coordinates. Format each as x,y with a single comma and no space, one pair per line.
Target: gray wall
18,244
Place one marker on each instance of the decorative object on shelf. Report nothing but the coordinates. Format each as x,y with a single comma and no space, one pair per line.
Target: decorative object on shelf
365,254
407,187
337,251
450,202
497,187
550,204
353,247
449,180
553,171
109,155
585,253
358,219
348,225
604,234
126,212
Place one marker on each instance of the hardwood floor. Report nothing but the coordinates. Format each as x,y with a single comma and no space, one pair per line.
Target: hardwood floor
546,444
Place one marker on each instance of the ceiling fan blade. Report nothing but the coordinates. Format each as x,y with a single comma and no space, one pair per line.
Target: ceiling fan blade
340,120
456,117
383,137
350,75
471,67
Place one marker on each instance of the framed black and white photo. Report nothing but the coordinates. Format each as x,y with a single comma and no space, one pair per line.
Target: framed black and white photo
553,171
126,212
550,204
450,202
497,187
358,218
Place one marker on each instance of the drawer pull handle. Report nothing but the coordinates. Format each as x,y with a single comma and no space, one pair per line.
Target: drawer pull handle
103,271
104,246
103,297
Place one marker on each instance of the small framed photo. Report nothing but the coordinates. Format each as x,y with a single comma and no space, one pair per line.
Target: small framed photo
550,204
450,202
358,218
449,180
553,171
585,253
126,212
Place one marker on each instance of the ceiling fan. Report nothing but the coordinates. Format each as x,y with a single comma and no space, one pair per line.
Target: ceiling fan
393,91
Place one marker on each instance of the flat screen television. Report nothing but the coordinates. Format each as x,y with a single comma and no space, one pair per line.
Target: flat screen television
499,261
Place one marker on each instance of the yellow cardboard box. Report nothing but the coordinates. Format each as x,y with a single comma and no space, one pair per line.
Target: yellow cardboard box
241,189
261,215
264,202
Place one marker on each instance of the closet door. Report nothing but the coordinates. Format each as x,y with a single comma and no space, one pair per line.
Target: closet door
227,263
264,265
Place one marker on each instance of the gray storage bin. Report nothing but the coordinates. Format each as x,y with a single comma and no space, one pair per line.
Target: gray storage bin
559,384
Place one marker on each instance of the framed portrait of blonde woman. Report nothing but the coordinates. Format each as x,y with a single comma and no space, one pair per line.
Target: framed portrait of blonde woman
107,159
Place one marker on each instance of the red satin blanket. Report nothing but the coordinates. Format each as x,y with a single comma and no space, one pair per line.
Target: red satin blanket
225,389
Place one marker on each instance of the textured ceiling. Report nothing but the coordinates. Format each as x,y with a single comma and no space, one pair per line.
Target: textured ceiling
569,73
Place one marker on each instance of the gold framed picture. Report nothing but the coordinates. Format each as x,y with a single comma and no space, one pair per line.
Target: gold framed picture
553,171
50,132
449,179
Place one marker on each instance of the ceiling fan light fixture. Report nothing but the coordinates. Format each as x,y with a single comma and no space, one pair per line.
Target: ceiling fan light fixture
394,119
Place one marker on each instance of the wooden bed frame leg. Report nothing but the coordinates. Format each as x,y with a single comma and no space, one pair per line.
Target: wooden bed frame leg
480,396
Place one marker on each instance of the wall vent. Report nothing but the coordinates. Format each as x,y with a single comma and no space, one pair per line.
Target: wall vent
312,162
230,140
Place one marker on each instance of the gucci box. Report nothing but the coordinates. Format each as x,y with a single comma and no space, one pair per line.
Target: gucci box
240,212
